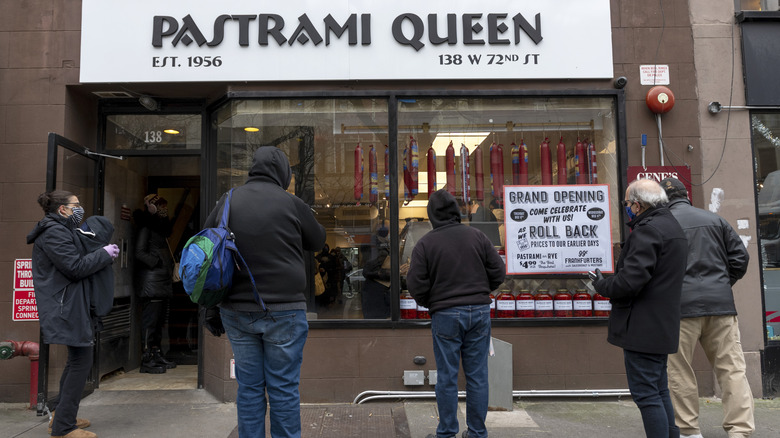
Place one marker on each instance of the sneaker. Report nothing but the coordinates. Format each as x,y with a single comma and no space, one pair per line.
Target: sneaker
81,423
698,435
77,433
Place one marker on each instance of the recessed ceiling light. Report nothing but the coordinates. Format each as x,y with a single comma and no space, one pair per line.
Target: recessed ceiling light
251,129
171,131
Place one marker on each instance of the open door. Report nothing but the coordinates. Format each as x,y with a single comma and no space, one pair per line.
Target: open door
74,168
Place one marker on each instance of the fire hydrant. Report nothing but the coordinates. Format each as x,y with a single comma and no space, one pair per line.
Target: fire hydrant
11,349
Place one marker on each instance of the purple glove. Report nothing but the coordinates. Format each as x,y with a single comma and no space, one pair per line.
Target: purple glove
112,250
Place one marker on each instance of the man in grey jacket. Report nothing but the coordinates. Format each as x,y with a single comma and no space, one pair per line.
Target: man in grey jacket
716,260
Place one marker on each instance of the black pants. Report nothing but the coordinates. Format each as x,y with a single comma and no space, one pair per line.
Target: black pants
72,382
153,312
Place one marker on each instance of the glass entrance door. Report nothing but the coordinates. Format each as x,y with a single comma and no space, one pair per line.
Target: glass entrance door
76,169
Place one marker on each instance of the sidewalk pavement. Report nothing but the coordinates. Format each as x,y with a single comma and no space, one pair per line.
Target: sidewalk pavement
195,413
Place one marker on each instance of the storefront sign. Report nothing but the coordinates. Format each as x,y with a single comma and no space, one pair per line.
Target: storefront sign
659,173
557,229
24,306
243,40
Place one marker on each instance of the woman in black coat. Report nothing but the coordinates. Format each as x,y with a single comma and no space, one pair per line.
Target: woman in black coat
62,271
154,281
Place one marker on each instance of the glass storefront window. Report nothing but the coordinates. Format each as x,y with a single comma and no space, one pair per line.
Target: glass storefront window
766,152
153,132
492,133
324,139
339,151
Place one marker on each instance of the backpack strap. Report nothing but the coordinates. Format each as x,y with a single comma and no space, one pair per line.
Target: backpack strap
223,223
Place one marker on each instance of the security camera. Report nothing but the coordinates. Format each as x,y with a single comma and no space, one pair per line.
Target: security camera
621,82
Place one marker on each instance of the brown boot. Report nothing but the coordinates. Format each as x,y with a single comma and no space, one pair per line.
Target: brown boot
77,433
81,423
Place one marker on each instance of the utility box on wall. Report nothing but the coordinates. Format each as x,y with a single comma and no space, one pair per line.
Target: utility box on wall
500,376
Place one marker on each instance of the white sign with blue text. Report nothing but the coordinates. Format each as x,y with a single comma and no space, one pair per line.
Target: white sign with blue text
557,229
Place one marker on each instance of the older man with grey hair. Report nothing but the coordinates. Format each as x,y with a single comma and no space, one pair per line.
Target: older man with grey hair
646,289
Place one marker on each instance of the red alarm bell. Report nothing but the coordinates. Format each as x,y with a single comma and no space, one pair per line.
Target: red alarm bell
660,99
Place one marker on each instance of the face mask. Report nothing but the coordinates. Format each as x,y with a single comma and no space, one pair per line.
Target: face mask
162,211
77,216
630,213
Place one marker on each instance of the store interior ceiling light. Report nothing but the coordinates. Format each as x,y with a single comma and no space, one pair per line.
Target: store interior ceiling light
171,131
470,139
251,129
149,103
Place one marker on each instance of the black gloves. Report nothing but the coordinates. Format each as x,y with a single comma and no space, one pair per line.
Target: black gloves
595,276
213,321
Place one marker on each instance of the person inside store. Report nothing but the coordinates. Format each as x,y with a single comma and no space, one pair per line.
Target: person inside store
62,272
329,270
154,280
646,290
716,260
452,272
483,219
274,232
375,296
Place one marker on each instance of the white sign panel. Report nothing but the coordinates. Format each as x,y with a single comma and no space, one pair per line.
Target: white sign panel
247,40
654,74
557,229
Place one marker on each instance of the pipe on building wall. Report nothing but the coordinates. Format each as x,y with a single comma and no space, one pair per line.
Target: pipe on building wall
378,395
11,349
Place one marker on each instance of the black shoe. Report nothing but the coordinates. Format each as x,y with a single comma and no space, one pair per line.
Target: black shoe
152,368
160,360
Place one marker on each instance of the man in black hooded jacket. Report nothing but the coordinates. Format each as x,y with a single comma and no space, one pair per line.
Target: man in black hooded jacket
452,272
273,228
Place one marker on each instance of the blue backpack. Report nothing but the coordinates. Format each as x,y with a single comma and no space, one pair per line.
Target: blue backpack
208,260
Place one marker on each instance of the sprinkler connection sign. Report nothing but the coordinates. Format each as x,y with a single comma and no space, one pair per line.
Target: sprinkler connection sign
557,229
25,307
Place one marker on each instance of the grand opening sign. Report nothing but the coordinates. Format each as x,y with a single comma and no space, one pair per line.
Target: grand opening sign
557,229
24,306
247,40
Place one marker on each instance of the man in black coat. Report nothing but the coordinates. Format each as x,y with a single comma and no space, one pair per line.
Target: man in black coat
717,258
273,230
452,272
645,297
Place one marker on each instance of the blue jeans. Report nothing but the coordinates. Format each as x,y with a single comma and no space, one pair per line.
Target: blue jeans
649,388
268,357
462,333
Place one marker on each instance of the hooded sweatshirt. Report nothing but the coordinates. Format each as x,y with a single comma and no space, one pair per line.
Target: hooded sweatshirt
452,265
94,234
273,228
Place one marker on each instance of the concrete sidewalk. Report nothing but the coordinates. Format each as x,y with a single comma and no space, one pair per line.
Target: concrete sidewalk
195,413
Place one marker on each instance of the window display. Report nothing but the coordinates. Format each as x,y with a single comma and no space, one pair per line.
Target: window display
341,151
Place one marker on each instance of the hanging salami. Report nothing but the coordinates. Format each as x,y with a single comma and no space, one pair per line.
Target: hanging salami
464,173
414,166
499,181
407,175
431,171
523,163
594,179
373,184
387,172
450,163
562,172
479,174
515,152
546,162
358,186
581,163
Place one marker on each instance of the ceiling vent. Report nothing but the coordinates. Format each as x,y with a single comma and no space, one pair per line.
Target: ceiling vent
112,94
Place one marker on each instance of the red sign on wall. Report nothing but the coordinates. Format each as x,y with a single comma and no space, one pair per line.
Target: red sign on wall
24,306
658,173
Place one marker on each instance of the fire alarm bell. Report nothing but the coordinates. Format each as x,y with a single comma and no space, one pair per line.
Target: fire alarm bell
659,99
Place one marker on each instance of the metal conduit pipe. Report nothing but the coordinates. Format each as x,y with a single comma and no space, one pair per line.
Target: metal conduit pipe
379,395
